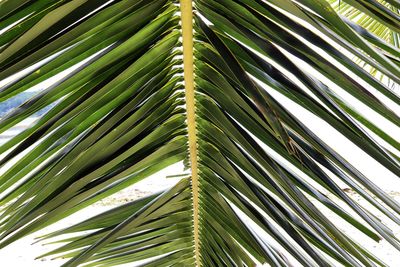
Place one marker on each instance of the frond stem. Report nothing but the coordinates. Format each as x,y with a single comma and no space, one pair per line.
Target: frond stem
187,39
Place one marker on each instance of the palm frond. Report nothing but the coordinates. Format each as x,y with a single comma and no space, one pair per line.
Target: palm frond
126,105
376,21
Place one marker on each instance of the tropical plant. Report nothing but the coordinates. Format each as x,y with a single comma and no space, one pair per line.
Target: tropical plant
380,19
143,84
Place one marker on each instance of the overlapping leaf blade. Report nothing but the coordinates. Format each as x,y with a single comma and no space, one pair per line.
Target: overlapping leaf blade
119,117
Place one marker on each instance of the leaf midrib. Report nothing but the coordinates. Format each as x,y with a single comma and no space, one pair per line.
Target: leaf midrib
187,39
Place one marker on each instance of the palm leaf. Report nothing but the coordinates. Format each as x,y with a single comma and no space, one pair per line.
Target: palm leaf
378,22
141,85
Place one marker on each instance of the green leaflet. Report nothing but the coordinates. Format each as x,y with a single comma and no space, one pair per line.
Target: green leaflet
120,116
